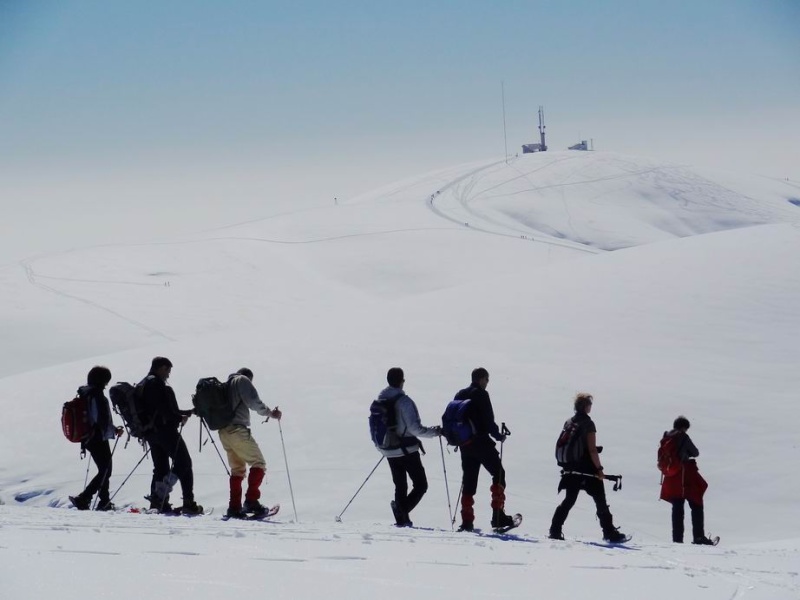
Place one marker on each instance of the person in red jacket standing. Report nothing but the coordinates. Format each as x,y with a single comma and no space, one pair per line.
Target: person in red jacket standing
686,485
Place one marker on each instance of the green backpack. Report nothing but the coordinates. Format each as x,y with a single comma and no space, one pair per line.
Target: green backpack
212,404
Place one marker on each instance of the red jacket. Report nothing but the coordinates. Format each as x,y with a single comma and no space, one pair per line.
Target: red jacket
687,484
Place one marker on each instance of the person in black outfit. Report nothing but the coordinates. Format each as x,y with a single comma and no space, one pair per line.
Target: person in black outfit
102,430
586,474
481,451
163,419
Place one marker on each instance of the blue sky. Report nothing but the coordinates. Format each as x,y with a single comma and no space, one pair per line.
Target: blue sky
398,87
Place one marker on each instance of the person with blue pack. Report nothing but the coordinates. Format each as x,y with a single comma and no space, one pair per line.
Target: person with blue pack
395,427
481,451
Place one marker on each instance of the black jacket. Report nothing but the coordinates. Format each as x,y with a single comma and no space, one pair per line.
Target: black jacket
160,405
480,412
587,426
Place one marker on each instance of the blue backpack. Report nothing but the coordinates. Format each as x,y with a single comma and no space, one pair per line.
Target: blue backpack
383,424
457,428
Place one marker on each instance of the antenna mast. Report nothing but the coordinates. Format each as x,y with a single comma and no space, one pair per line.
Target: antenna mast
505,137
541,129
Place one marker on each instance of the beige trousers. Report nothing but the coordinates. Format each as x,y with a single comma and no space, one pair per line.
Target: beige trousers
242,449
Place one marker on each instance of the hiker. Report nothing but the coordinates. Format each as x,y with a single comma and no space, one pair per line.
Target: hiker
163,434
585,473
102,430
481,451
404,455
685,485
240,446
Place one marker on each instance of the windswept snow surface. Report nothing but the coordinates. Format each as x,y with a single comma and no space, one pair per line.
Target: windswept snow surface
506,266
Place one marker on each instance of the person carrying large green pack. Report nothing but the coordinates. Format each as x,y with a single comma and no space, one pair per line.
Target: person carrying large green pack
241,447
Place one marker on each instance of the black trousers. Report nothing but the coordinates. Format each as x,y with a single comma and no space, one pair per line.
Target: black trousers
480,453
404,467
593,486
698,518
100,450
166,445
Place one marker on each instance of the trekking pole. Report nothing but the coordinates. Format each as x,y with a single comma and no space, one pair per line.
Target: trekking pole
338,518
617,479
105,474
286,462
129,474
88,464
446,486
504,431
213,443
453,522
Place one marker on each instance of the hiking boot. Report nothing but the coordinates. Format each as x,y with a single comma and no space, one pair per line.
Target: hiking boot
401,518
191,508
703,541
236,513
105,506
467,527
159,505
555,535
255,508
615,536
501,519
80,502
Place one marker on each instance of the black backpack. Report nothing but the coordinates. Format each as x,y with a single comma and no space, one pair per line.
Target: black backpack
570,445
212,404
127,401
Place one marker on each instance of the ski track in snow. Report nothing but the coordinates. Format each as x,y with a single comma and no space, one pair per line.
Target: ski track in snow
32,278
464,197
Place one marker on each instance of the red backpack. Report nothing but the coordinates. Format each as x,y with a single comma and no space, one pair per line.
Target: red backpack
75,419
668,460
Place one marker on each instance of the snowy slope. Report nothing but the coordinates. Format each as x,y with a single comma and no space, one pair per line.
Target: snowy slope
474,265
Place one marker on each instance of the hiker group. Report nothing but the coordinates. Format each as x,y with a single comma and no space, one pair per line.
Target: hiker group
468,423
150,413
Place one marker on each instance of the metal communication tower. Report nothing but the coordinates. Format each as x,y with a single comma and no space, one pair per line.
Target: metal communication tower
543,145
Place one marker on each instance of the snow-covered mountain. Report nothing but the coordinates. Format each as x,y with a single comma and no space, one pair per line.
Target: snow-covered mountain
662,289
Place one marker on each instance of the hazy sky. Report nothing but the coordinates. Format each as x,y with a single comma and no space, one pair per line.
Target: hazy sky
390,89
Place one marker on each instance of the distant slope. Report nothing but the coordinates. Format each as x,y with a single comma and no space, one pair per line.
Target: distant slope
611,201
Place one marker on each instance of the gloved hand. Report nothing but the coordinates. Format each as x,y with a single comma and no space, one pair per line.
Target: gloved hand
501,438
276,414
437,429
118,431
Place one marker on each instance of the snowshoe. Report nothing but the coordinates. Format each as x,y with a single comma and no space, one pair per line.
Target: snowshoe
241,515
706,541
507,524
616,537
